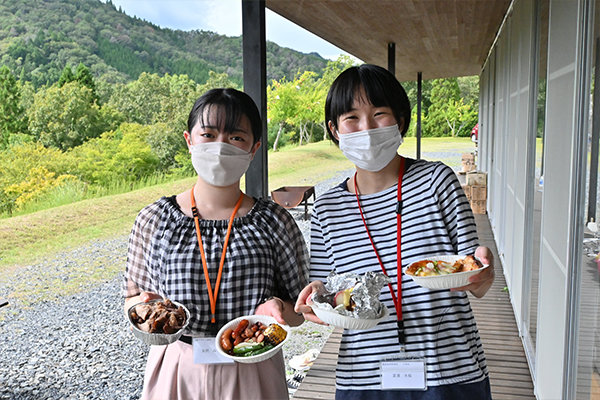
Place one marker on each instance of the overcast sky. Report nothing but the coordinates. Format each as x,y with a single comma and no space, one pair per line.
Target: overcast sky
225,18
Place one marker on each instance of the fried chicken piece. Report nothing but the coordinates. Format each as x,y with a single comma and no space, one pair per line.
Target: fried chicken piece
159,317
180,315
168,304
172,324
470,263
143,311
145,326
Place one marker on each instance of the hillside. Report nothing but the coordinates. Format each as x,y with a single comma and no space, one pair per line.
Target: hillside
39,38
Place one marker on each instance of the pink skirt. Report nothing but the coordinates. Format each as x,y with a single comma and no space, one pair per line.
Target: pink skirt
172,375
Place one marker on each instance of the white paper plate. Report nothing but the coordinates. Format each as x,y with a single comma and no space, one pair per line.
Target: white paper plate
334,318
302,362
158,339
449,281
252,319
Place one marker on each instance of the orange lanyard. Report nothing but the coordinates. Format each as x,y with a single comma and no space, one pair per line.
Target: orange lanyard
397,299
212,296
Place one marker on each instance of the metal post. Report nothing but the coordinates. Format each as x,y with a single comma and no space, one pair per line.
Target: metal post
583,64
529,224
593,188
254,47
419,101
392,57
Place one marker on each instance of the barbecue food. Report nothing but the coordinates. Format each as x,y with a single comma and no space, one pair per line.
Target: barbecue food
435,268
352,295
275,334
247,339
158,317
342,299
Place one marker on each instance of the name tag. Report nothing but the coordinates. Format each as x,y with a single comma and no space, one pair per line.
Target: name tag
403,374
205,352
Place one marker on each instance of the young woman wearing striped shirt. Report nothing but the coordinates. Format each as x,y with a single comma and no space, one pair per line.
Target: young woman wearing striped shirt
392,212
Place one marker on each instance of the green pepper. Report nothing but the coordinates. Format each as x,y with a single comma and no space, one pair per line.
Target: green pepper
247,348
267,347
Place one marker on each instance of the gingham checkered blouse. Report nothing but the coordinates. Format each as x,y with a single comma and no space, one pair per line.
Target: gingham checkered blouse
266,256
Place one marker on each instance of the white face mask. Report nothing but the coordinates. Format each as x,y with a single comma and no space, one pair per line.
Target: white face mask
372,149
218,163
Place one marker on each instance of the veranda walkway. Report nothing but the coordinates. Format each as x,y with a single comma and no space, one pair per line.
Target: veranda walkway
509,373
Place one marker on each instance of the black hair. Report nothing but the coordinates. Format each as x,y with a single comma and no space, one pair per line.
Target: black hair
381,87
231,105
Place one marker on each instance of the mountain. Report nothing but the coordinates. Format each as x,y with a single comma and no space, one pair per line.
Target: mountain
38,38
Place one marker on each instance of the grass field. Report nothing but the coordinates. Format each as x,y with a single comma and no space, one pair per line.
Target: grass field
26,239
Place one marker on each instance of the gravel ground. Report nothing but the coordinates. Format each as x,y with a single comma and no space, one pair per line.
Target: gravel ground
79,346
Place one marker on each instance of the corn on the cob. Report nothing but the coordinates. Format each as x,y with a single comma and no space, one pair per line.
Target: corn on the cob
275,334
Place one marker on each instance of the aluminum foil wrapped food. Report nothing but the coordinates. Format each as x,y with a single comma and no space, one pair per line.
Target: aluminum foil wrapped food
353,295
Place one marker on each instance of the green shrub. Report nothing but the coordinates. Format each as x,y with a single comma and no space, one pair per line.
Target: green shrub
38,184
17,164
165,143
124,153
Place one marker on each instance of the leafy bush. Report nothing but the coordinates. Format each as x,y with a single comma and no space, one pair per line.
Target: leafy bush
23,164
184,165
38,183
165,143
69,191
124,153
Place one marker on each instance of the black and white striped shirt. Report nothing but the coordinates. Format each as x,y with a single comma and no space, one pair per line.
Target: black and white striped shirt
266,256
439,324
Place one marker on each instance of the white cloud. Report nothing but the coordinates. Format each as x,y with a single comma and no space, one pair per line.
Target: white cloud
225,18
287,34
179,14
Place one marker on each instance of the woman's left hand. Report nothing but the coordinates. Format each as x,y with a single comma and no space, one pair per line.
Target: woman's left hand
481,283
273,307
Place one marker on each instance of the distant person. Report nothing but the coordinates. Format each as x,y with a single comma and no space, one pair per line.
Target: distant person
475,133
264,258
392,212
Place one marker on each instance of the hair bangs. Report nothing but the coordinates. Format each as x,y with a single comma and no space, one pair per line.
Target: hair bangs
376,85
223,116
229,107
375,90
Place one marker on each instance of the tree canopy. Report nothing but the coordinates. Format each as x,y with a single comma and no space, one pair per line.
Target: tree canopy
12,115
80,134
38,42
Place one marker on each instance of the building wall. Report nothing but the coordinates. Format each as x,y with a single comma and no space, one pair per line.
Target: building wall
507,140
509,104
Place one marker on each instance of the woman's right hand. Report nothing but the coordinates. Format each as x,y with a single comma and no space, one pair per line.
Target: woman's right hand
143,297
149,296
305,297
